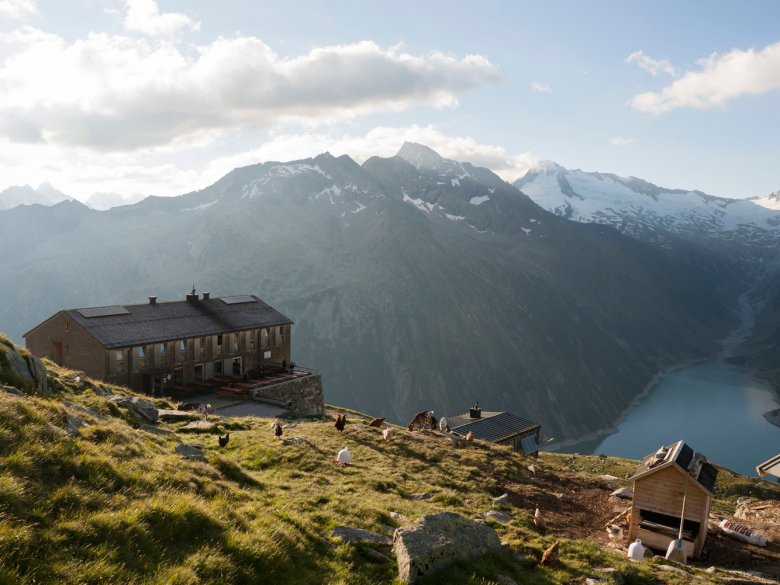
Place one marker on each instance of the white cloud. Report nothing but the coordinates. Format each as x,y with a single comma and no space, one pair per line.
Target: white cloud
120,93
621,141
144,16
652,66
541,87
18,9
722,77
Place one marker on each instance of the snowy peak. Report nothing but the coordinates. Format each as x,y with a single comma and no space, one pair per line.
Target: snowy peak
646,211
421,157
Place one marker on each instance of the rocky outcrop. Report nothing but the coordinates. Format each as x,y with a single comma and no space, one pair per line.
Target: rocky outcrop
438,541
349,534
193,451
138,407
21,370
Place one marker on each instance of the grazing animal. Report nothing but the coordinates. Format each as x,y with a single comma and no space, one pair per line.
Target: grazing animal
223,441
377,422
539,521
421,420
341,422
551,555
387,433
469,437
444,426
433,422
277,429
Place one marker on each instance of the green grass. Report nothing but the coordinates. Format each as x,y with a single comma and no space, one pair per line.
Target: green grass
116,504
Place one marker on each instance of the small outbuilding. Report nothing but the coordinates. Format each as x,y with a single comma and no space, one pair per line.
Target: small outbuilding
498,427
672,479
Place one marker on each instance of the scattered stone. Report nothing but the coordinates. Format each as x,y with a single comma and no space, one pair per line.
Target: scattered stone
438,541
625,493
198,426
84,410
710,569
610,574
297,441
349,534
374,555
610,480
174,415
73,424
386,528
191,451
101,390
400,518
12,390
138,407
497,516
155,430
532,469
502,499
422,496
504,580
671,569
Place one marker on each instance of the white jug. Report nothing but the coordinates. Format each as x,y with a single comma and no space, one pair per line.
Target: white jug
636,551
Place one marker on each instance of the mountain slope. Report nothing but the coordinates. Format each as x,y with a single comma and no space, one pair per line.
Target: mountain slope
45,194
411,288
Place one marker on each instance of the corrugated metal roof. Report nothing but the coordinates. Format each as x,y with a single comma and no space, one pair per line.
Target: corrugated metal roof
154,323
770,466
499,427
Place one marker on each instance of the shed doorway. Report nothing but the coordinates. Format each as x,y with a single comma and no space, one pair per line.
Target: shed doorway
56,352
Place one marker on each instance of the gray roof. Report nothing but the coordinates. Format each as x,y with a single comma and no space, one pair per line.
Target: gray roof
493,426
154,323
682,455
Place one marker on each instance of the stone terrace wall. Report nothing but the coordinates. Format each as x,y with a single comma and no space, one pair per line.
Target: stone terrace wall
305,394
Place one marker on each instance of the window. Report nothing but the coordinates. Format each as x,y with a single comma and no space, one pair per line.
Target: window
141,352
264,338
278,336
182,345
119,357
67,325
251,339
163,355
162,349
236,340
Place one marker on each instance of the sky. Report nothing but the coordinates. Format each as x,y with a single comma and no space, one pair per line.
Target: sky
163,97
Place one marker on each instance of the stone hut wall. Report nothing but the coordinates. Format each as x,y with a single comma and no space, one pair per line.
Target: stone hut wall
304,394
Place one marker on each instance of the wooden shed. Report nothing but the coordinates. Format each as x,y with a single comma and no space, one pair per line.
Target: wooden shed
661,482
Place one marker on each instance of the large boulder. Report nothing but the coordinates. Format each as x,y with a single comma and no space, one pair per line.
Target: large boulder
138,407
21,370
438,541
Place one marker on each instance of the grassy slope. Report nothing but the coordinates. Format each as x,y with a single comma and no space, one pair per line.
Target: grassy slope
116,504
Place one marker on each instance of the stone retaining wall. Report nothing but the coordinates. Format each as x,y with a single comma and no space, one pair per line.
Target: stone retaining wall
305,394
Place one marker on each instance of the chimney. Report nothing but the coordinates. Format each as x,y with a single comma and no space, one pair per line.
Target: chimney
193,296
206,296
152,300
475,411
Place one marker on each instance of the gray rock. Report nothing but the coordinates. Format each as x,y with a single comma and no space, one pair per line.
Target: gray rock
349,534
497,516
12,390
26,371
85,410
625,493
197,426
438,541
422,496
609,575
191,451
73,424
504,580
155,430
610,480
138,407
400,518
502,499
174,415
374,555
300,441
671,569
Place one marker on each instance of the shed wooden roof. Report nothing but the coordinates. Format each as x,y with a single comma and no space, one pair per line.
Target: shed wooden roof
682,456
133,325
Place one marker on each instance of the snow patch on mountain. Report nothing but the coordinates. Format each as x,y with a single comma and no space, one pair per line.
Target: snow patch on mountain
418,203
200,207
479,200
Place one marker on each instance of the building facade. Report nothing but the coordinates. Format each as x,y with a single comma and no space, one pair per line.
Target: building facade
155,346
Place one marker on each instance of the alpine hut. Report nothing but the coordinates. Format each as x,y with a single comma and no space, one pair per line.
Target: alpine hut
673,483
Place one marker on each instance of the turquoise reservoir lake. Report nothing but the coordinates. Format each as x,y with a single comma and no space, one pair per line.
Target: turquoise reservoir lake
717,410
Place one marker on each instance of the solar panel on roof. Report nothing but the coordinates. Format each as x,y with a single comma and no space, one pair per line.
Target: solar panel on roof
103,312
237,300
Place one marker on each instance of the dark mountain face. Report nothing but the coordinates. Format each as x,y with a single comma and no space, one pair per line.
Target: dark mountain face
422,284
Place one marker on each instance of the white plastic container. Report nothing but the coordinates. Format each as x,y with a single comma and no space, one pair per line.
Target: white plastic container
636,551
